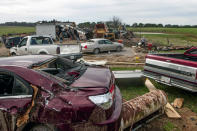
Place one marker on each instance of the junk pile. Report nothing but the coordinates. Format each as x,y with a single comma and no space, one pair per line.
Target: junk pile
68,33
61,31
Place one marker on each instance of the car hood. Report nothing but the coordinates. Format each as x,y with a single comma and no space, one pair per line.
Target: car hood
94,77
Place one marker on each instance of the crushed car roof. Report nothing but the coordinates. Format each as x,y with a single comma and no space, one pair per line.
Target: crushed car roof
24,61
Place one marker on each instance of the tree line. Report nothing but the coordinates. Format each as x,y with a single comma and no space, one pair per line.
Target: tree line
18,24
161,25
114,23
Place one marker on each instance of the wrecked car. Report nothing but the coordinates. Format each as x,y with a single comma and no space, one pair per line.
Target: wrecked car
53,93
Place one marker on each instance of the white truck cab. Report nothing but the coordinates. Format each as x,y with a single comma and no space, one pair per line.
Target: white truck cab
42,45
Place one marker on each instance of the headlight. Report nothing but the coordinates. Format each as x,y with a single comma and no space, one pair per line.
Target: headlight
104,101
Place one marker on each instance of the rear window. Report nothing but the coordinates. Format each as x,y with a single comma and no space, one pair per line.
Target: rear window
40,41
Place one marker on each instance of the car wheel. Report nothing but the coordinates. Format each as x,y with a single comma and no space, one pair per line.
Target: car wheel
13,54
118,49
41,128
96,51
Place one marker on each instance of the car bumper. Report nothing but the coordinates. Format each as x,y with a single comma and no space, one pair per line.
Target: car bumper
112,123
83,50
176,82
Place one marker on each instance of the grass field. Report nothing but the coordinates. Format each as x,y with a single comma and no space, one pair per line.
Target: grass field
4,30
176,36
131,92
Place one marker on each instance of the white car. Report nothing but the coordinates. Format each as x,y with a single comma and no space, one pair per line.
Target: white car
100,45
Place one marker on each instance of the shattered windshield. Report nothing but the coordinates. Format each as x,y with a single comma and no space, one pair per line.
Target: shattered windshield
64,70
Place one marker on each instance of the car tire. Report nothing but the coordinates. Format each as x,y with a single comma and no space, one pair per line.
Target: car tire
41,127
96,51
118,49
42,53
13,54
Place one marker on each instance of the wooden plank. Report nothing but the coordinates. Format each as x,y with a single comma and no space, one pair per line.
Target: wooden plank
123,63
170,111
149,85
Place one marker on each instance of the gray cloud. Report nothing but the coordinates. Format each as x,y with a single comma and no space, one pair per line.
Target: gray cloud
130,11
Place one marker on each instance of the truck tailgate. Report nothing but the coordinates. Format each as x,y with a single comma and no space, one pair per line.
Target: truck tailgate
69,48
173,72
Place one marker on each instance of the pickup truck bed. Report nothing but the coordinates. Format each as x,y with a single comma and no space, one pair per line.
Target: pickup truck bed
177,70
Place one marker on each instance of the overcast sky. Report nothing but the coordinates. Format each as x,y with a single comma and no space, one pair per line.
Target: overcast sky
130,11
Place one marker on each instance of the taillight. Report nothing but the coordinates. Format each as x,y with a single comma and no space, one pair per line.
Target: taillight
111,90
58,50
85,46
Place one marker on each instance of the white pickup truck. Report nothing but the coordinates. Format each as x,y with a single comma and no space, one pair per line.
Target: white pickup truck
42,45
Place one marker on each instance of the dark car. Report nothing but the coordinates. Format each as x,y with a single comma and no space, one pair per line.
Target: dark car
12,41
52,93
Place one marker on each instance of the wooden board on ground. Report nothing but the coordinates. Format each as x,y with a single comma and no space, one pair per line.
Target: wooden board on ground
149,85
170,111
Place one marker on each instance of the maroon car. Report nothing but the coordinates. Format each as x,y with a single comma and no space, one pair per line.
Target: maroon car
52,93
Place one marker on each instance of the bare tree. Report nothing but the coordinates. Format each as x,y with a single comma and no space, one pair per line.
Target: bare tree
116,21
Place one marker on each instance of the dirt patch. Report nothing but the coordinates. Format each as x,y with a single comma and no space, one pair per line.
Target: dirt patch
127,55
188,122
3,51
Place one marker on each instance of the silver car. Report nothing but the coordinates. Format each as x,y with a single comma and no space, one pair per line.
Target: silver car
99,45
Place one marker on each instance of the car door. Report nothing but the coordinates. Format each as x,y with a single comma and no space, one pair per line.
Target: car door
109,45
22,47
15,96
102,46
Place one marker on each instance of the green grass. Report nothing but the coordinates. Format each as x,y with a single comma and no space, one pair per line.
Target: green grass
131,92
173,51
125,68
168,126
176,36
190,99
4,30
192,31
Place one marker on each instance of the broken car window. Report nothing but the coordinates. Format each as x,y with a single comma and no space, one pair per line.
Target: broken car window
65,69
10,85
21,89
